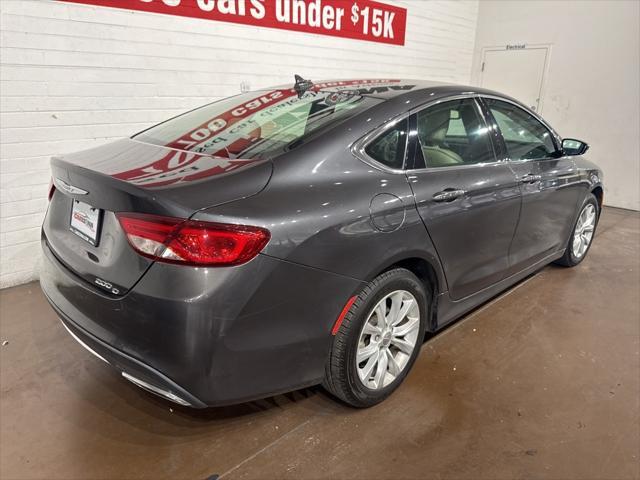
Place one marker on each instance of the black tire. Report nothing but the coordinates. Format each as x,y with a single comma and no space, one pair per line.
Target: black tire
569,259
341,376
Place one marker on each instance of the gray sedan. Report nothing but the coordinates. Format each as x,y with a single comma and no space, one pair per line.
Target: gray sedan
308,233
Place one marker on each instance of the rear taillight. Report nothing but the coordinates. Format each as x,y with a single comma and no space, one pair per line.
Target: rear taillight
175,240
52,189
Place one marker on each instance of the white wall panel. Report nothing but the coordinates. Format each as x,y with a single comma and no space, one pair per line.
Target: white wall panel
592,89
75,76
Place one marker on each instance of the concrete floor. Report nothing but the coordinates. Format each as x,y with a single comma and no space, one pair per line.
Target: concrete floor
542,382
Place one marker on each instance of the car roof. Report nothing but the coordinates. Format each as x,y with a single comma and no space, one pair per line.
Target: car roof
387,89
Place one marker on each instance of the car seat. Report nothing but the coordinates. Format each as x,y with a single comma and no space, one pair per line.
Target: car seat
432,128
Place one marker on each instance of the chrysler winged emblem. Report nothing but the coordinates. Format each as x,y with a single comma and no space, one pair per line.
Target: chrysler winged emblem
69,188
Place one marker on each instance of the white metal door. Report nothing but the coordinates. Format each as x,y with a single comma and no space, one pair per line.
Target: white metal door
516,72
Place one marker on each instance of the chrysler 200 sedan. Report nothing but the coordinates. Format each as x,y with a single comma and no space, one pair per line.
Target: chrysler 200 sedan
307,234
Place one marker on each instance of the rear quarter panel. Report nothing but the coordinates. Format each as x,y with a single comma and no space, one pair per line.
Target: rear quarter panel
323,209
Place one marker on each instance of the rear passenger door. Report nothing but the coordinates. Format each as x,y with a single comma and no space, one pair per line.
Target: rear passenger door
549,183
468,200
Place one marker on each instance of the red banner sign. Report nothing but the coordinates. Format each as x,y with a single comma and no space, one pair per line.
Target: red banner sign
357,19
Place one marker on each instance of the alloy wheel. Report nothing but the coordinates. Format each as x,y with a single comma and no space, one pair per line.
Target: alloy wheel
388,339
583,234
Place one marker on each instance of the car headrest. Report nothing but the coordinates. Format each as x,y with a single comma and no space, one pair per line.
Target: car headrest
433,126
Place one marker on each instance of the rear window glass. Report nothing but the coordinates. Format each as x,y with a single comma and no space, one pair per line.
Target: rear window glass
256,124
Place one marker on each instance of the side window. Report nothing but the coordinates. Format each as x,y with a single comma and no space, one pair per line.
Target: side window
452,133
525,136
389,147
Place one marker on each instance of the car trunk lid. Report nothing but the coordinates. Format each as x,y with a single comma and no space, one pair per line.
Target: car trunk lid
81,227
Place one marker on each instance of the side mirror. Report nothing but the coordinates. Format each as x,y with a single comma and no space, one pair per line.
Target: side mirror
571,146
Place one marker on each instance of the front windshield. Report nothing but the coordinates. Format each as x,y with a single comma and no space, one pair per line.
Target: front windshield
257,124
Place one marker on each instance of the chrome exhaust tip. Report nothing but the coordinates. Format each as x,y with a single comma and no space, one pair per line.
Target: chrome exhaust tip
156,390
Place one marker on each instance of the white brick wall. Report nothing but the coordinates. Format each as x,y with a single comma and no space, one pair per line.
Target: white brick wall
74,76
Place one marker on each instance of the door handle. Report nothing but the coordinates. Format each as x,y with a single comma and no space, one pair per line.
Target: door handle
530,178
448,195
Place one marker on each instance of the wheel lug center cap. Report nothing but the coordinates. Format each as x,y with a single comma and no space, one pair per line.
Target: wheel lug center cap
386,338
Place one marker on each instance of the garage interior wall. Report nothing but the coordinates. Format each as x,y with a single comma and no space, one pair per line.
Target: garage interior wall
592,86
76,76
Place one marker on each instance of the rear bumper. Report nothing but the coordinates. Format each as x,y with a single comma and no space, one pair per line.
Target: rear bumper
134,370
208,336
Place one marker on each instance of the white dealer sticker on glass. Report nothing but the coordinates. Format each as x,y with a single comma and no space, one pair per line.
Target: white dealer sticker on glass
85,222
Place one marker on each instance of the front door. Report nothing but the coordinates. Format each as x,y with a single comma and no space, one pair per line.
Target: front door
468,201
550,184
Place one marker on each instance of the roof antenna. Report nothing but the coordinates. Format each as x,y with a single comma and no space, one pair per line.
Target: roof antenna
302,86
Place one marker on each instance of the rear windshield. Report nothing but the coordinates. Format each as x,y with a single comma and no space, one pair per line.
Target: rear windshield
256,124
